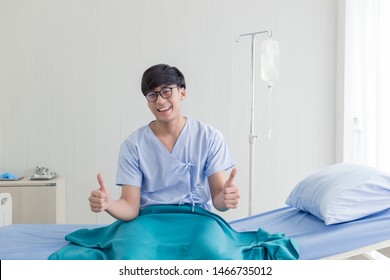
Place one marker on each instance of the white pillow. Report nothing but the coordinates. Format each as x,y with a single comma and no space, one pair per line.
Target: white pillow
342,192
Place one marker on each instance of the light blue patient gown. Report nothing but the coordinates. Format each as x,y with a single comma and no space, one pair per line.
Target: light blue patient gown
180,176
175,221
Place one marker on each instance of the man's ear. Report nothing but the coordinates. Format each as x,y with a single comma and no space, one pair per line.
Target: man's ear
183,93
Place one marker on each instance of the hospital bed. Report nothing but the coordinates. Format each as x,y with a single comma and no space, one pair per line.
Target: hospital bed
317,239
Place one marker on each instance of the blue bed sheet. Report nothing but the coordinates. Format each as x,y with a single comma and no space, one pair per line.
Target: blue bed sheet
316,240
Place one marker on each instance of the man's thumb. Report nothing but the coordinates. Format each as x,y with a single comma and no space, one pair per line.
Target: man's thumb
101,183
233,174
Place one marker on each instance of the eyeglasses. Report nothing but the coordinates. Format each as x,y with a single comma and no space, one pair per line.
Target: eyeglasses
165,93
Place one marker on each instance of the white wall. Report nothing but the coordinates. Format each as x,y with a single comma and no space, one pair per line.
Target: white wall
70,86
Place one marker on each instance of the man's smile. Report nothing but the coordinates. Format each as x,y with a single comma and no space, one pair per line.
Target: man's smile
164,109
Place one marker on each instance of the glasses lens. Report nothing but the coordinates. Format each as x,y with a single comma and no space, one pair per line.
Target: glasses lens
166,92
151,96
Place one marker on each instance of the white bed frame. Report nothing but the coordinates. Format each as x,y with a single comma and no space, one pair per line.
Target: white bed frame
367,252
5,209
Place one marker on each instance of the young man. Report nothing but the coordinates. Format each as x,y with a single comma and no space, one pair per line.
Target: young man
170,171
172,160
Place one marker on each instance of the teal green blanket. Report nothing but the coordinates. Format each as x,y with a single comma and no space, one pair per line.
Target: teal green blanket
169,232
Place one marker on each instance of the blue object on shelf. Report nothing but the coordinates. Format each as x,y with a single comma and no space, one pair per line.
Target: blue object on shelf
9,177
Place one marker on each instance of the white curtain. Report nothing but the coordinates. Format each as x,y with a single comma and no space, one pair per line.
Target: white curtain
367,83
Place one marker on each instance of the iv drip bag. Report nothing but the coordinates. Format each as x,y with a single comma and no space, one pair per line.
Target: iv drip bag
269,60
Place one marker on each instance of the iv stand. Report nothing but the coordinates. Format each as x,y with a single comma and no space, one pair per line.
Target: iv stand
252,136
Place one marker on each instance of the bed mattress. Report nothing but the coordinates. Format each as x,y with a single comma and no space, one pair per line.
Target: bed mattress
316,240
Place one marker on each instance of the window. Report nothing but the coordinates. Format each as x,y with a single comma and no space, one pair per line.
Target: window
367,83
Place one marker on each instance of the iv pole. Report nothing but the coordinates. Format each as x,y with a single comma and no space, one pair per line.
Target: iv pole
252,136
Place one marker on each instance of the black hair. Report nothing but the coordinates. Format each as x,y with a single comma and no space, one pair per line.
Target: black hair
161,74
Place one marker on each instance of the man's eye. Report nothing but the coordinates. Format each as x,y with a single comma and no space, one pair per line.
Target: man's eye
166,91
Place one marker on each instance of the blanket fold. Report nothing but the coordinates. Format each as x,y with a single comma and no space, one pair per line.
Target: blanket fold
171,232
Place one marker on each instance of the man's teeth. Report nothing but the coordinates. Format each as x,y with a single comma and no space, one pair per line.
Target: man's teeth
164,109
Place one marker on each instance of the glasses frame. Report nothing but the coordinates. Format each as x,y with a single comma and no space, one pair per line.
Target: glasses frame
158,93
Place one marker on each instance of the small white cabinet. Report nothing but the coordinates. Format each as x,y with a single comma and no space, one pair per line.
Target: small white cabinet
36,201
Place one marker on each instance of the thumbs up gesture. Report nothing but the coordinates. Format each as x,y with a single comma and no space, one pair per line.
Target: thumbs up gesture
99,198
231,192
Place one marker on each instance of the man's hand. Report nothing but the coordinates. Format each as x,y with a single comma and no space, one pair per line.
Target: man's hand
99,198
231,192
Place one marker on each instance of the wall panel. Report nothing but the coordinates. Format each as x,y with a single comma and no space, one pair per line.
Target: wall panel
70,86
